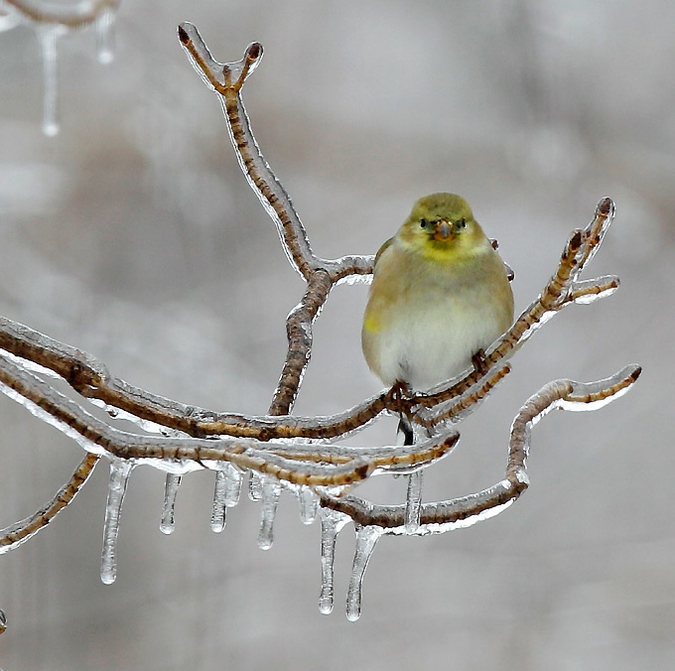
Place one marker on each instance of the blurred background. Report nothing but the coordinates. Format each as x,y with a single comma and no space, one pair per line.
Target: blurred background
133,236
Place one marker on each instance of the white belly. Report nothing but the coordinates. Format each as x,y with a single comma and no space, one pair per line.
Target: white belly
427,346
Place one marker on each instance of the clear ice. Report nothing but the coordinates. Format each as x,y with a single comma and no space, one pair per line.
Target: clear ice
219,510
120,470
309,504
366,538
332,523
413,504
168,523
255,486
271,491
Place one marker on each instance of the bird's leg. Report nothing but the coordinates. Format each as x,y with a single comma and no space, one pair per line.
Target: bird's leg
478,361
406,430
401,390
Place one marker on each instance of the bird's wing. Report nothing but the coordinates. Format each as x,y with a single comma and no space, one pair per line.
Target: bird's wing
382,249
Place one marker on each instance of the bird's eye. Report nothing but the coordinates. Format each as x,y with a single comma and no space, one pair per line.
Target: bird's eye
461,223
423,223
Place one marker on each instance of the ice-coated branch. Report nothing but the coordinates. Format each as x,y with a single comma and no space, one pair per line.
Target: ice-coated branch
227,80
19,532
306,456
322,465
467,510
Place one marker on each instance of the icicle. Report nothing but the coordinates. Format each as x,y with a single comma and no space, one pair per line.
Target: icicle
332,523
271,490
233,478
366,538
105,46
309,504
120,471
413,503
218,512
255,486
3,622
48,36
168,523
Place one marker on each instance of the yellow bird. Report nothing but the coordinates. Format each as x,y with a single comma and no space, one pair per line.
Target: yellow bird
440,295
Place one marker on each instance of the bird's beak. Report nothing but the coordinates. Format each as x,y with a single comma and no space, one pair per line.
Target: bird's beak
443,231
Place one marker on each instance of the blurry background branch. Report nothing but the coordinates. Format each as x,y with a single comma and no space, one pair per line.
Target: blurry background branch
51,22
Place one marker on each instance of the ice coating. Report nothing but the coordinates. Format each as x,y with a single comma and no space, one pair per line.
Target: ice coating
309,504
119,477
255,486
413,502
271,491
19,532
233,480
366,538
332,523
172,483
219,509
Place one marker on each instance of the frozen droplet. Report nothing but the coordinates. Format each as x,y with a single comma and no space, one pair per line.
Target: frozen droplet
413,503
168,523
366,538
120,470
332,523
271,490
218,511
105,47
255,485
48,35
3,621
309,504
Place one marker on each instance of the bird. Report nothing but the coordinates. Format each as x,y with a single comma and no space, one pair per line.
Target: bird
440,296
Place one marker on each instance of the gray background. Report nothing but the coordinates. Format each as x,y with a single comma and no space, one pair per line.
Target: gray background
133,236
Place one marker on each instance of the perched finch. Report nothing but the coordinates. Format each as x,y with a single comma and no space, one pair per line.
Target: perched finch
440,296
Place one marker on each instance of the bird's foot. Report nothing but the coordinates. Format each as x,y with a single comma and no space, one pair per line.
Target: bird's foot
479,362
400,392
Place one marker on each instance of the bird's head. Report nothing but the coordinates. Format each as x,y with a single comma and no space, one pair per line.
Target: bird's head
441,227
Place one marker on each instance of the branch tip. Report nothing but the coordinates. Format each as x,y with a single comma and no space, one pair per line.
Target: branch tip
254,51
605,206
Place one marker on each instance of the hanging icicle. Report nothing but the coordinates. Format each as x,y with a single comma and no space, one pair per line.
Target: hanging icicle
271,490
219,510
120,470
105,42
168,523
332,523
413,502
309,504
366,538
48,36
